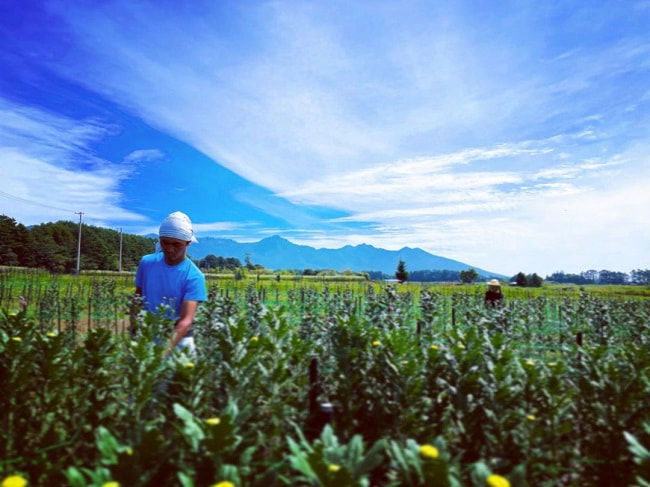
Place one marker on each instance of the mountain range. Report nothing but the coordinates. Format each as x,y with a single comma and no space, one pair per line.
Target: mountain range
279,253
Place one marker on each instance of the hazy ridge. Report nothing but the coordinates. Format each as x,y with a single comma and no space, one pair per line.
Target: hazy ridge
279,253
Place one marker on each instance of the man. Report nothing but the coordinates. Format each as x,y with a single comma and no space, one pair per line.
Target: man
493,296
170,278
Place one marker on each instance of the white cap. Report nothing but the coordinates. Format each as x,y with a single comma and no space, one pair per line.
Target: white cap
177,225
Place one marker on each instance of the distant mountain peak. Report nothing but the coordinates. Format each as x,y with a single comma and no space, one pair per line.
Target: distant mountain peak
276,252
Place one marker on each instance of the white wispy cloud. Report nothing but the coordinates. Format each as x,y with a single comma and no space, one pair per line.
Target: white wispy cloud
571,171
144,155
49,173
447,183
47,135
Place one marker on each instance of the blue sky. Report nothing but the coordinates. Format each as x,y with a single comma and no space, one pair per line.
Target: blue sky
509,135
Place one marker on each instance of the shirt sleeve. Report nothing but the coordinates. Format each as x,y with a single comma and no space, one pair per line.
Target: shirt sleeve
195,290
139,275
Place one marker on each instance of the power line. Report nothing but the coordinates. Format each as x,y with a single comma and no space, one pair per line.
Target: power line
25,200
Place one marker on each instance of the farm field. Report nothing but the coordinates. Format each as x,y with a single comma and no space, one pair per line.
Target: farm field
326,383
102,295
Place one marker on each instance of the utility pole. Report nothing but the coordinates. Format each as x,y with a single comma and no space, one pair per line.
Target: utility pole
79,242
120,249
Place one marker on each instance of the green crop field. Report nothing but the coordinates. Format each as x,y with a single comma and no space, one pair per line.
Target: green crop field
325,383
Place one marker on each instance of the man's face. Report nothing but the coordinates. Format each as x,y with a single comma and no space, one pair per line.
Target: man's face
174,249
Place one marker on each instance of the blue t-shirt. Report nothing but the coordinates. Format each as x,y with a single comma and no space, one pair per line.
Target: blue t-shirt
169,284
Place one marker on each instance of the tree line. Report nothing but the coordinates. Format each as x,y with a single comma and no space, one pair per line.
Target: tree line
212,262
592,276
53,246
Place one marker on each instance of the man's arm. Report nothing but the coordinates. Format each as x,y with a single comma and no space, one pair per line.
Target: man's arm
182,326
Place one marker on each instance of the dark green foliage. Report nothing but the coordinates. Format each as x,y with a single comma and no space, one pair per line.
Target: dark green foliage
401,274
521,279
434,276
636,276
530,280
640,276
16,245
503,391
468,276
562,277
375,275
211,262
535,281
611,277
53,246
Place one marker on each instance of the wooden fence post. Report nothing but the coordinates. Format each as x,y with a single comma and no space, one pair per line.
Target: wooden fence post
313,385
319,414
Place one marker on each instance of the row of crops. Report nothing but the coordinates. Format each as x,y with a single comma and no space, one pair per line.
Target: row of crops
339,385
84,301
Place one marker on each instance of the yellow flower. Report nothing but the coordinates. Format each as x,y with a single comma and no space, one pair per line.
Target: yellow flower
51,334
189,365
254,339
530,362
129,451
224,483
376,343
495,480
334,468
14,481
461,346
213,421
552,364
16,339
112,483
530,417
429,451
434,347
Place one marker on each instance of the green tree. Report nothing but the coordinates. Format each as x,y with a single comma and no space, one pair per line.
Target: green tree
535,281
15,244
468,276
210,262
521,279
401,274
640,276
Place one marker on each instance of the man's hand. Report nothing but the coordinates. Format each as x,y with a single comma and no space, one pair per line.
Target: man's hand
184,323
